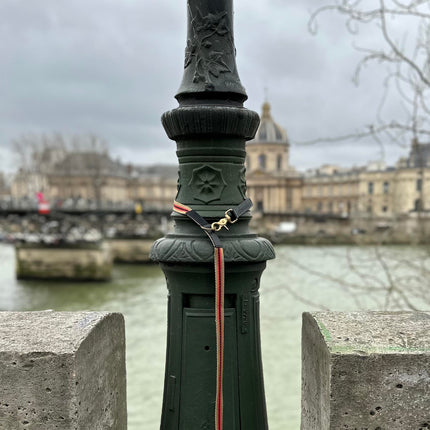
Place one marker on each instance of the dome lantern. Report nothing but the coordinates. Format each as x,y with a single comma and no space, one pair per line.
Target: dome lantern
269,131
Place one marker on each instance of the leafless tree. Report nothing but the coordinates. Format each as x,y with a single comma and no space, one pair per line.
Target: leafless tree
402,48
94,161
373,277
35,152
41,156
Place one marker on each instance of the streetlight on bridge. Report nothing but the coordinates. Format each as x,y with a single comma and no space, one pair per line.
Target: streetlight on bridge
214,375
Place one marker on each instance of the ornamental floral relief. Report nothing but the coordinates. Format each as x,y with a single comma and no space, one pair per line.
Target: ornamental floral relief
207,184
210,43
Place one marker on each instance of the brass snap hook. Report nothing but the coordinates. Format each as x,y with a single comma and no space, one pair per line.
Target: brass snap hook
218,225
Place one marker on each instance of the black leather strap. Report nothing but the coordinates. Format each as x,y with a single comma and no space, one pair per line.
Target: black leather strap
198,219
239,210
206,227
233,213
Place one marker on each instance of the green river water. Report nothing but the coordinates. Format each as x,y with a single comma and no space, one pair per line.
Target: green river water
354,278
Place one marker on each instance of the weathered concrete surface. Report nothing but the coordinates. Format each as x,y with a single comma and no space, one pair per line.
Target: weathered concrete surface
131,250
366,371
91,262
62,370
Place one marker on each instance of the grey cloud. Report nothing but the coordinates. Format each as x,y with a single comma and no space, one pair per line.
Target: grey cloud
112,67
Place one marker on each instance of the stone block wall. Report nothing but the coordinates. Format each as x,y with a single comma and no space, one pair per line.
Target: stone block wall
62,371
366,371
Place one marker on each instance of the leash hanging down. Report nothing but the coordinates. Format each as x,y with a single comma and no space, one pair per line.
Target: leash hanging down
230,217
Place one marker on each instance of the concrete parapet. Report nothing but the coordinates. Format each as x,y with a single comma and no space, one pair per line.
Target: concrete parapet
131,250
92,262
366,371
62,370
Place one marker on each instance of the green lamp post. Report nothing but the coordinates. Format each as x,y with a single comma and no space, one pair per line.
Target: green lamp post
211,127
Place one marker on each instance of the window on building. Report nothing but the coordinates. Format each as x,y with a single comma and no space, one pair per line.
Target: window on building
289,198
263,132
320,190
384,208
330,207
262,161
319,206
279,163
419,185
260,206
278,134
370,187
386,187
418,205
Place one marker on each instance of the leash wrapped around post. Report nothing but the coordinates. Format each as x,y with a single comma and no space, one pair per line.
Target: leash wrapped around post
230,217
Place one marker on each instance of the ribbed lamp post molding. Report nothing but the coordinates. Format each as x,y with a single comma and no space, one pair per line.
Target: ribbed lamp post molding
211,127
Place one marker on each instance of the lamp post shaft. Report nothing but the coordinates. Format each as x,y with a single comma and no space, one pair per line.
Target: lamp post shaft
211,127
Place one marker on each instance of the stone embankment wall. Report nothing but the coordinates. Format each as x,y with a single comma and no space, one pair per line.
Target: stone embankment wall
366,371
410,229
130,250
62,371
85,262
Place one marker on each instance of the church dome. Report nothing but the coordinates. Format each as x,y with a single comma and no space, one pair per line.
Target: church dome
269,131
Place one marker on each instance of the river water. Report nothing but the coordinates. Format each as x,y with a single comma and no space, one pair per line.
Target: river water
300,279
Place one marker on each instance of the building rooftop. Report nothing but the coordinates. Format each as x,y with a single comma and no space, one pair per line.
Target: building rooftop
419,155
269,131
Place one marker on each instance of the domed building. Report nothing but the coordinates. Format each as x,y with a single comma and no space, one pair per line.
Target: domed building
273,185
269,150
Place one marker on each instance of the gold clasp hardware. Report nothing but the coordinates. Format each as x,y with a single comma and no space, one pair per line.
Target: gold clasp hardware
218,225
229,217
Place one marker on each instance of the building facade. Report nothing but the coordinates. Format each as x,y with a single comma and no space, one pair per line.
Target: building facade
93,179
273,185
374,190
90,176
154,187
331,190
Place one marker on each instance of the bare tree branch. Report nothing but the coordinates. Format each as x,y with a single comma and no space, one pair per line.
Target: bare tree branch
407,62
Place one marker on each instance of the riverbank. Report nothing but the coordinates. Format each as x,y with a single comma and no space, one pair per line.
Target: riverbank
357,239
302,229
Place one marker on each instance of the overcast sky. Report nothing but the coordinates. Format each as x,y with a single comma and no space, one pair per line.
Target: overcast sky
112,67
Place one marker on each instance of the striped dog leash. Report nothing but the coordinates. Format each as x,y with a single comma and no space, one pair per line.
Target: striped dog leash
230,217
